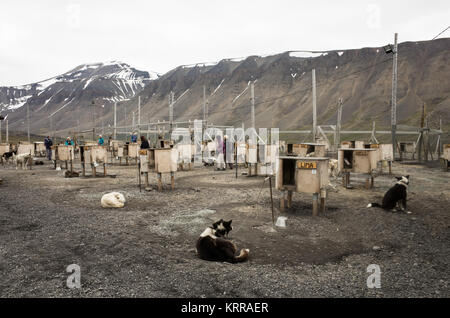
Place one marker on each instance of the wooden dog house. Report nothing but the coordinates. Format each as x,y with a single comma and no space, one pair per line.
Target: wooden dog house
64,153
166,160
357,161
93,155
305,149
406,148
185,155
130,151
39,149
267,160
302,174
4,148
352,144
25,148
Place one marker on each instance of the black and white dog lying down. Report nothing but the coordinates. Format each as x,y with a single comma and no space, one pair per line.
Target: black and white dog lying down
395,195
212,246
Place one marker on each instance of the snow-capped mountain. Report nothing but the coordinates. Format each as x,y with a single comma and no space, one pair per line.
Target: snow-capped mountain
108,82
103,83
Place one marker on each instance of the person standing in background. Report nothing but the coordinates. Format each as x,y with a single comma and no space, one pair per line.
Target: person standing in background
144,143
101,141
134,137
48,147
69,142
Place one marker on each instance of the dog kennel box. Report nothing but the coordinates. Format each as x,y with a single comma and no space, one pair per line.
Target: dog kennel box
39,148
184,153
386,152
272,153
241,151
147,159
120,152
354,144
166,160
4,148
66,153
251,154
85,154
143,160
302,174
99,154
165,143
25,148
131,150
54,152
304,149
407,147
446,153
357,160
376,147
115,145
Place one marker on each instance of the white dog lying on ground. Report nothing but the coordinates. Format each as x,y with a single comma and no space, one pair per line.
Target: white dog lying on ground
113,200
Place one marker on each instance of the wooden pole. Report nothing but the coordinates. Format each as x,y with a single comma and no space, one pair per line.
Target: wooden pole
337,141
271,199
28,122
394,96
253,104
315,204
115,120
314,104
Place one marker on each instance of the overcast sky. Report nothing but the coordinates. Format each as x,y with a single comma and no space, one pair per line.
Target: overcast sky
44,38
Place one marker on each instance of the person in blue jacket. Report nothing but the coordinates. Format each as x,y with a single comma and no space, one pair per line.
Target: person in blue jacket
134,138
69,142
101,141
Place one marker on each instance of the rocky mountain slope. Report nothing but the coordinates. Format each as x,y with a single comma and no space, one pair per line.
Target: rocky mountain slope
283,94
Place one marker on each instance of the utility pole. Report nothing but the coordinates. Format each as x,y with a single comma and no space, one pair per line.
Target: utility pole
394,96
115,120
338,124
314,104
204,105
28,122
7,132
125,114
139,116
1,130
171,98
51,127
253,105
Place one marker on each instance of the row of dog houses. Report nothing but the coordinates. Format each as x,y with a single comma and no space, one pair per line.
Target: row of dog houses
298,167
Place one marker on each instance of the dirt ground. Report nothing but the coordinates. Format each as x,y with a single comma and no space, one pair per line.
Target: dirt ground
147,248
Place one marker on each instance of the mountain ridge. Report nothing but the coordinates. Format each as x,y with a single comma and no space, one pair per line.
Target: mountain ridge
362,77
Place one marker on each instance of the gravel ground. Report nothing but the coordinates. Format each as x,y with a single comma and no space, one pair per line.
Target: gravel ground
147,248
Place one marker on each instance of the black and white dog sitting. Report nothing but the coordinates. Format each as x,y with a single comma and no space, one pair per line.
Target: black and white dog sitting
395,195
212,246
